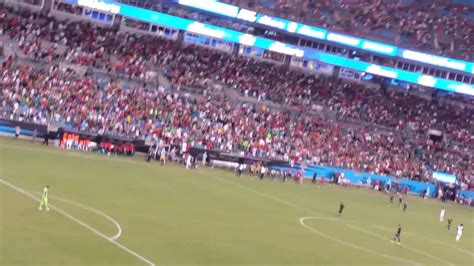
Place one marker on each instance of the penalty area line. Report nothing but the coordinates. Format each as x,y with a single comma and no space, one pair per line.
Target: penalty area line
76,220
87,208
403,245
327,236
428,240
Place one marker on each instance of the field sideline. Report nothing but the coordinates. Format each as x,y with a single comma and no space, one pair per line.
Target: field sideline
124,211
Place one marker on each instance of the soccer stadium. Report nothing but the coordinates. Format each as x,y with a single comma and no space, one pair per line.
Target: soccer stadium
237,132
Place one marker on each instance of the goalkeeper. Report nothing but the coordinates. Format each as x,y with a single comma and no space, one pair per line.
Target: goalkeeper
44,199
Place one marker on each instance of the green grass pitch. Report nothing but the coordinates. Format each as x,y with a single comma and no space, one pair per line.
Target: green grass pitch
169,215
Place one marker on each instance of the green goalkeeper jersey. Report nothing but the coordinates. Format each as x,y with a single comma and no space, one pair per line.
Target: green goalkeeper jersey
45,193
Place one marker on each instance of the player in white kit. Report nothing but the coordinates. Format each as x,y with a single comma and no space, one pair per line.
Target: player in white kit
441,214
459,234
188,161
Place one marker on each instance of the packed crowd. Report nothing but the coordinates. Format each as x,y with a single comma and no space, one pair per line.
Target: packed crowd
81,103
197,67
90,45
431,26
84,103
43,37
401,111
438,26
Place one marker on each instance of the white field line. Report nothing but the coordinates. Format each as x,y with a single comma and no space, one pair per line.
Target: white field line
322,234
86,155
380,195
75,153
429,240
87,208
284,202
302,219
74,219
305,209
403,245
205,174
350,244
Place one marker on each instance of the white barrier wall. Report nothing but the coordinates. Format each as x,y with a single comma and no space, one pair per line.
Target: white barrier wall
36,5
63,11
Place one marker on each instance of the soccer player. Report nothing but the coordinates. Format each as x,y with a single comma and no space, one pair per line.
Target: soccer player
263,171
427,193
44,199
450,221
460,228
188,161
341,208
441,214
239,170
390,201
46,137
34,135
397,235
400,200
17,131
163,156
150,153
204,158
404,207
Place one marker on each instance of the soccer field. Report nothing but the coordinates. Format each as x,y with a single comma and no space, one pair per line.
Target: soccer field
112,211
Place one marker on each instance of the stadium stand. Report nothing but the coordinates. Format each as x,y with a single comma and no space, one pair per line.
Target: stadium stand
276,116
438,27
442,26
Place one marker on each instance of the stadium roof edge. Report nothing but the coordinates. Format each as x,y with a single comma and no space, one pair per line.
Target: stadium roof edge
233,11
267,44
